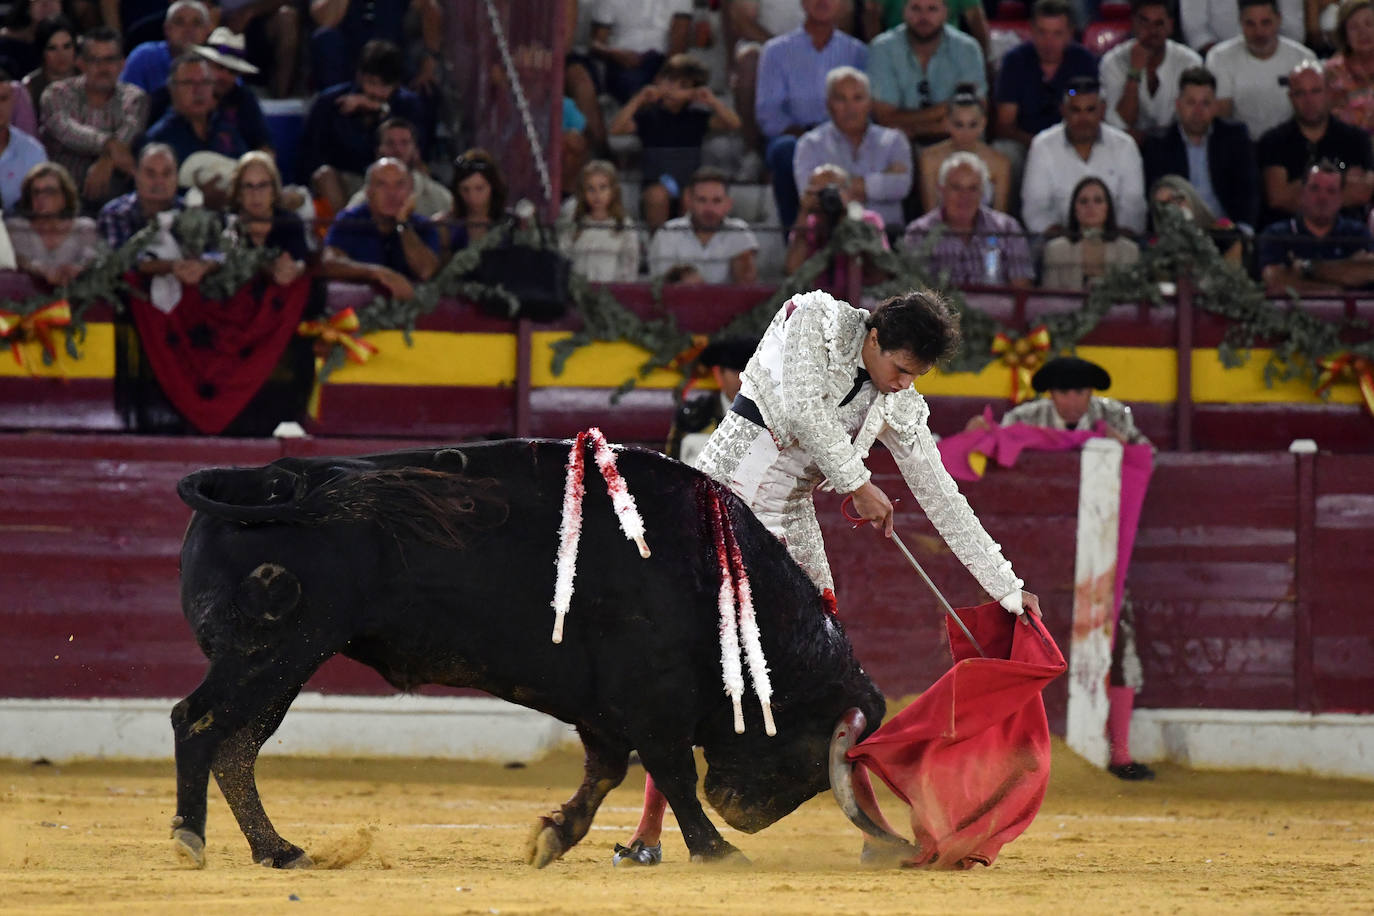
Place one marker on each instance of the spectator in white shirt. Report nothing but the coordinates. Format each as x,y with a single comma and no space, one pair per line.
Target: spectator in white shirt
878,158
722,247
1252,68
1207,23
1077,146
635,37
1140,76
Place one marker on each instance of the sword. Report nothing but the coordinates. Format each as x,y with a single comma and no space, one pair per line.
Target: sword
938,594
920,569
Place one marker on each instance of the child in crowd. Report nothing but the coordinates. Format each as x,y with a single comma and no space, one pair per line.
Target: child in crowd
601,241
672,116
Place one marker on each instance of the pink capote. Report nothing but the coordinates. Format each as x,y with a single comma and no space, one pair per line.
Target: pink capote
971,756
1004,444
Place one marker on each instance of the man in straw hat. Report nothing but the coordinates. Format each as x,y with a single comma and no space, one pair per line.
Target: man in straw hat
238,106
825,383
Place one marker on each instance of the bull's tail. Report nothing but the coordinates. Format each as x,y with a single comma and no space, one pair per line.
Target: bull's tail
418,504
247,495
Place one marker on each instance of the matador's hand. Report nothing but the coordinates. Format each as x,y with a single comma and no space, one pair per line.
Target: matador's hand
873,506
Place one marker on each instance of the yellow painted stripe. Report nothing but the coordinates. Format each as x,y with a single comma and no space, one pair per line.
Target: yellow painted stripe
97,357
449,359
601,365
438,358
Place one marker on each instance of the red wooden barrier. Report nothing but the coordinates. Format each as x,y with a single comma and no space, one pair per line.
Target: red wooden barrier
1228,612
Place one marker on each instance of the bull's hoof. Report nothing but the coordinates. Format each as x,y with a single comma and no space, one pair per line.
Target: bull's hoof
291,857
545,844
189,847
726,857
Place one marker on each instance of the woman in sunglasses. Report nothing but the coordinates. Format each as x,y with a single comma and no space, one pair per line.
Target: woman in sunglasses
51,242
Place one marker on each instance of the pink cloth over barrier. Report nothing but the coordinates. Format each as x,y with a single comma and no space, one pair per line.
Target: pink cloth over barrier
971,756
965,454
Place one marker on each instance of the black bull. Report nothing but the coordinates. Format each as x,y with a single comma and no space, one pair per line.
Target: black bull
437,567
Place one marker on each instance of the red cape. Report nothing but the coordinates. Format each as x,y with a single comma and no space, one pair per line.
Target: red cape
971,756
210,358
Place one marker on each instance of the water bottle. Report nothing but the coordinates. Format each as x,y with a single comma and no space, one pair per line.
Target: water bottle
992,262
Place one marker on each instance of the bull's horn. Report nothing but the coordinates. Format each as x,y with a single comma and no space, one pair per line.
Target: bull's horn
847,732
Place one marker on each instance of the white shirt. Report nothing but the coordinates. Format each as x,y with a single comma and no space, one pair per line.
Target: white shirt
1253,84
1157,110
1053,167
601,251
676,243
639,25
1208,21
779,16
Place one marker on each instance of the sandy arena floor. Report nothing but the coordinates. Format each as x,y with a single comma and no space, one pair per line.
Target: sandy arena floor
432,836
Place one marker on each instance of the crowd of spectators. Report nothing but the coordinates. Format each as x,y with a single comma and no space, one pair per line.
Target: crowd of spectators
1226,109
111,114
995,161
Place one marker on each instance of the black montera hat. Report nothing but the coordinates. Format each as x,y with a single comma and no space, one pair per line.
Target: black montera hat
1068,372
729,352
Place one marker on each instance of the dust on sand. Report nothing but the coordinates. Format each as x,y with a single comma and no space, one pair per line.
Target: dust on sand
419,836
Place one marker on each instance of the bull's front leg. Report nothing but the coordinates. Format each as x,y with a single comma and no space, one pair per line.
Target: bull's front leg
674,770
556,833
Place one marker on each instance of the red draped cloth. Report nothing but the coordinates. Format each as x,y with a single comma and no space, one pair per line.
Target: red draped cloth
971,756
210,357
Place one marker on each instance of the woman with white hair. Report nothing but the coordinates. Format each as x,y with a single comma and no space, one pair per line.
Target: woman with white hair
963,239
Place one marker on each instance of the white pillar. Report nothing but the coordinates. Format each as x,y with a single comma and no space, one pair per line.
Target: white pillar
1094,581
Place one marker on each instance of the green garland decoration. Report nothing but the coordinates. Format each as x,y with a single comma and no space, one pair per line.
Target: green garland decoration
103,279
1182,251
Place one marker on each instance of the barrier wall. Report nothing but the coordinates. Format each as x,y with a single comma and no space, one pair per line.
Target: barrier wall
1247,577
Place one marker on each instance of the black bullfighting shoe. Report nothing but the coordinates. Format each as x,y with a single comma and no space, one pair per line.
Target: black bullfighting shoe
1132,772
637,854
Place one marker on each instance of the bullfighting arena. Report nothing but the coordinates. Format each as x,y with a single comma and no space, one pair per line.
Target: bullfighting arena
420,836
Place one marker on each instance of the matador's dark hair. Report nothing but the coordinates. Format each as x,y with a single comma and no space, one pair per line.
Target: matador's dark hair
919,322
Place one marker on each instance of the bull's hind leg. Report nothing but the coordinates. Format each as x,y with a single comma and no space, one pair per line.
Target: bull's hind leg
556,833
237,701
675,775
233,766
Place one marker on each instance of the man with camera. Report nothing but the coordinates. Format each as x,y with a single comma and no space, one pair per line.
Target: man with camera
878,157
828,199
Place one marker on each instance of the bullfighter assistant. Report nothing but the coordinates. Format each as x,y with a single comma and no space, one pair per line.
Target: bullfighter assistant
826,381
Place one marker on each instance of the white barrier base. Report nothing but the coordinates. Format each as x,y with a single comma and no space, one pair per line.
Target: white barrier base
461,728
484,728
1278,740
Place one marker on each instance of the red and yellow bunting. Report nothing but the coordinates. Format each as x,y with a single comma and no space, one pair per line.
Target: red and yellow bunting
1348,365
36,325
342,329
1022,355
